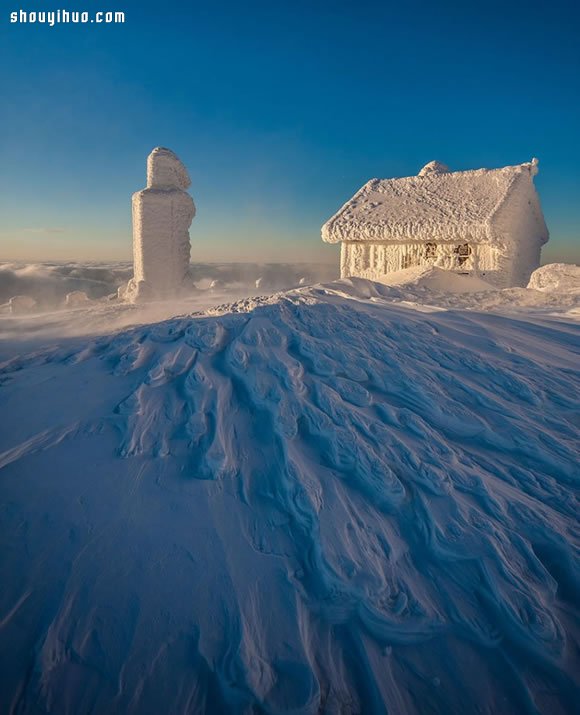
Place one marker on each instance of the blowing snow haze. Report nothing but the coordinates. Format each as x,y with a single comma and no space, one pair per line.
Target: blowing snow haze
48,283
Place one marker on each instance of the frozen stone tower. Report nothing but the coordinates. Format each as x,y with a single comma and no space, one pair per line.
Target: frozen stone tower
162,215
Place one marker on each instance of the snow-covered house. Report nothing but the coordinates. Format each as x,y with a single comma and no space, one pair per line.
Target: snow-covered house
486,222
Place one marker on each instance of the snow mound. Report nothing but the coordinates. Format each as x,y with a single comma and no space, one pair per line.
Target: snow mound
311,503
76,298
19,304
437,279
556,278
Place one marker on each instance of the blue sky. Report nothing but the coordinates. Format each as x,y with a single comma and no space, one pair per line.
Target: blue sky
280,110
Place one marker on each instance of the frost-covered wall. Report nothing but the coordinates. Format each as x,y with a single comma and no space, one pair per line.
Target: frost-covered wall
519,226
376,260
162,215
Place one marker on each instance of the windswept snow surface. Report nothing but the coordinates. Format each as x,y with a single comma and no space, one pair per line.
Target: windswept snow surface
322,501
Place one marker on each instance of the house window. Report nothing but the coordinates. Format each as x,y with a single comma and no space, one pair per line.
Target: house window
430,250
463,252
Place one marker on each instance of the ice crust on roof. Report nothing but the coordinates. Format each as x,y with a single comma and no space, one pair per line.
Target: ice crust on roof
436,204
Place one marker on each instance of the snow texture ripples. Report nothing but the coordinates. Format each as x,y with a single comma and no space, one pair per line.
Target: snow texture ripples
317,505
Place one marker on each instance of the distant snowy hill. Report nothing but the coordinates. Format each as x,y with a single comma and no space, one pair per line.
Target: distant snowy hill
348,498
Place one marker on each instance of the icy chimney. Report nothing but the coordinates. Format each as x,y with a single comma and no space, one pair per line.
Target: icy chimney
434,167
162,215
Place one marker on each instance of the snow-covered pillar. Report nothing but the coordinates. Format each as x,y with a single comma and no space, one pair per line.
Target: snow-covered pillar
162,215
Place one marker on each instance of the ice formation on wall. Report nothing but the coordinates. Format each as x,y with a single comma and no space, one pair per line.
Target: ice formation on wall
484,221
162,215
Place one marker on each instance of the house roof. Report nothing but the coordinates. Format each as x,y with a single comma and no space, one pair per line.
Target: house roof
437,203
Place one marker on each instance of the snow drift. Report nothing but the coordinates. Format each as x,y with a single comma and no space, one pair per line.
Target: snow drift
437,279
313,502
556,278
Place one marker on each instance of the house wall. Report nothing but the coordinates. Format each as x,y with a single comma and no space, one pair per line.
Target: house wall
374,261
519,224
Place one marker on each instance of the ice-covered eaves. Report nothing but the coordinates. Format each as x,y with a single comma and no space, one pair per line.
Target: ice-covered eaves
435,205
